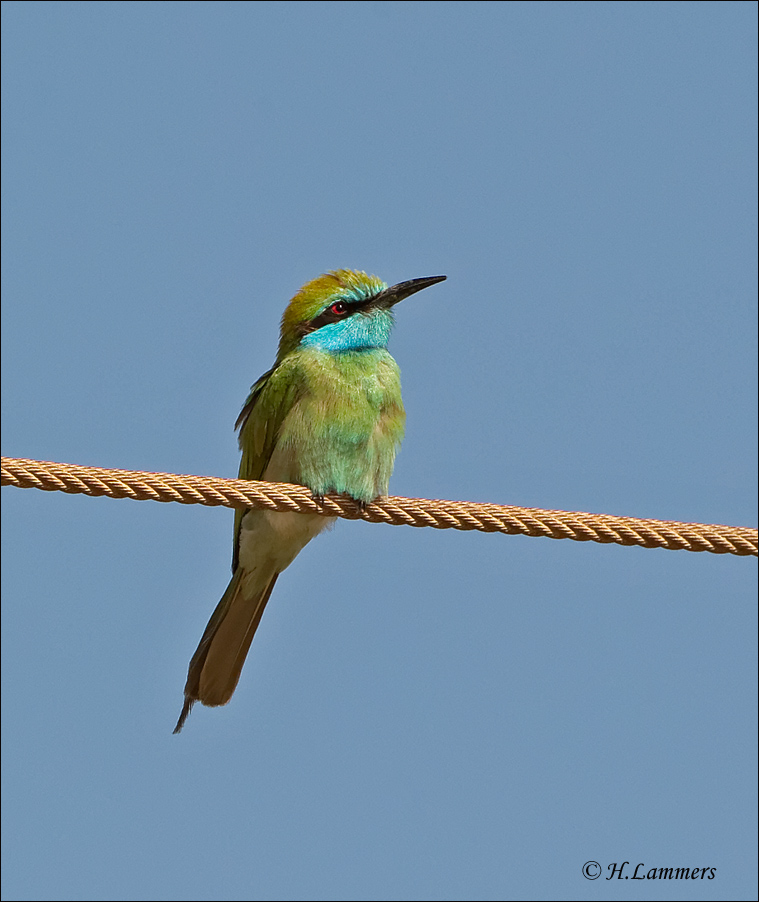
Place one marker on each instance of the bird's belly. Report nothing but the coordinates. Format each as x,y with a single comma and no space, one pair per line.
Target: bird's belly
355,457
272,539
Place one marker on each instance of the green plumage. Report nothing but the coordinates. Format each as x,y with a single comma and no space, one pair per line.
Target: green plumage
336,420
329,416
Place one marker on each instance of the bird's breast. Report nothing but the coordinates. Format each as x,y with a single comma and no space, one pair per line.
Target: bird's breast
343,431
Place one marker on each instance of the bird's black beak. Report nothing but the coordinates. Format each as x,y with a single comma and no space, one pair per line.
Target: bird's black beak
396,293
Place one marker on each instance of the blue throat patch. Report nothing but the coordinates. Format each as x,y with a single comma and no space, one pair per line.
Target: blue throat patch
360,331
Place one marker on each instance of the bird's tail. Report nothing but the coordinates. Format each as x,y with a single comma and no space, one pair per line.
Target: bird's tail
216,665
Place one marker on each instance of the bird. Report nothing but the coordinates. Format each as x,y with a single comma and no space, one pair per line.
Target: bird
329,416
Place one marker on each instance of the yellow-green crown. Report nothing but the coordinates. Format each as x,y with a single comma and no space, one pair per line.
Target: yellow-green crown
316,295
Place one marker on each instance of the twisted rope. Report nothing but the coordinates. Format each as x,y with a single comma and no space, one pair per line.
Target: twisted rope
214,491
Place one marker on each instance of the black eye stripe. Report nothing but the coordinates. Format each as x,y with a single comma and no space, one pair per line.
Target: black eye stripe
329,316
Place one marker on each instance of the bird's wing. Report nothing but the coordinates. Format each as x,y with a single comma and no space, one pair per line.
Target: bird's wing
269,402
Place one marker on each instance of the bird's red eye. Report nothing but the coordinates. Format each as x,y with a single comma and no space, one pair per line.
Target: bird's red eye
339,308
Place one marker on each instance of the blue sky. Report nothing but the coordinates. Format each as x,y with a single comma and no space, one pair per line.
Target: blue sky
424,714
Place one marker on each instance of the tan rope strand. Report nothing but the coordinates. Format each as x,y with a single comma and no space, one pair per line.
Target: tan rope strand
215,491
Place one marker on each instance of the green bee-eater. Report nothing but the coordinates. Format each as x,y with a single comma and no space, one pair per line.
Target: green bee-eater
328,415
